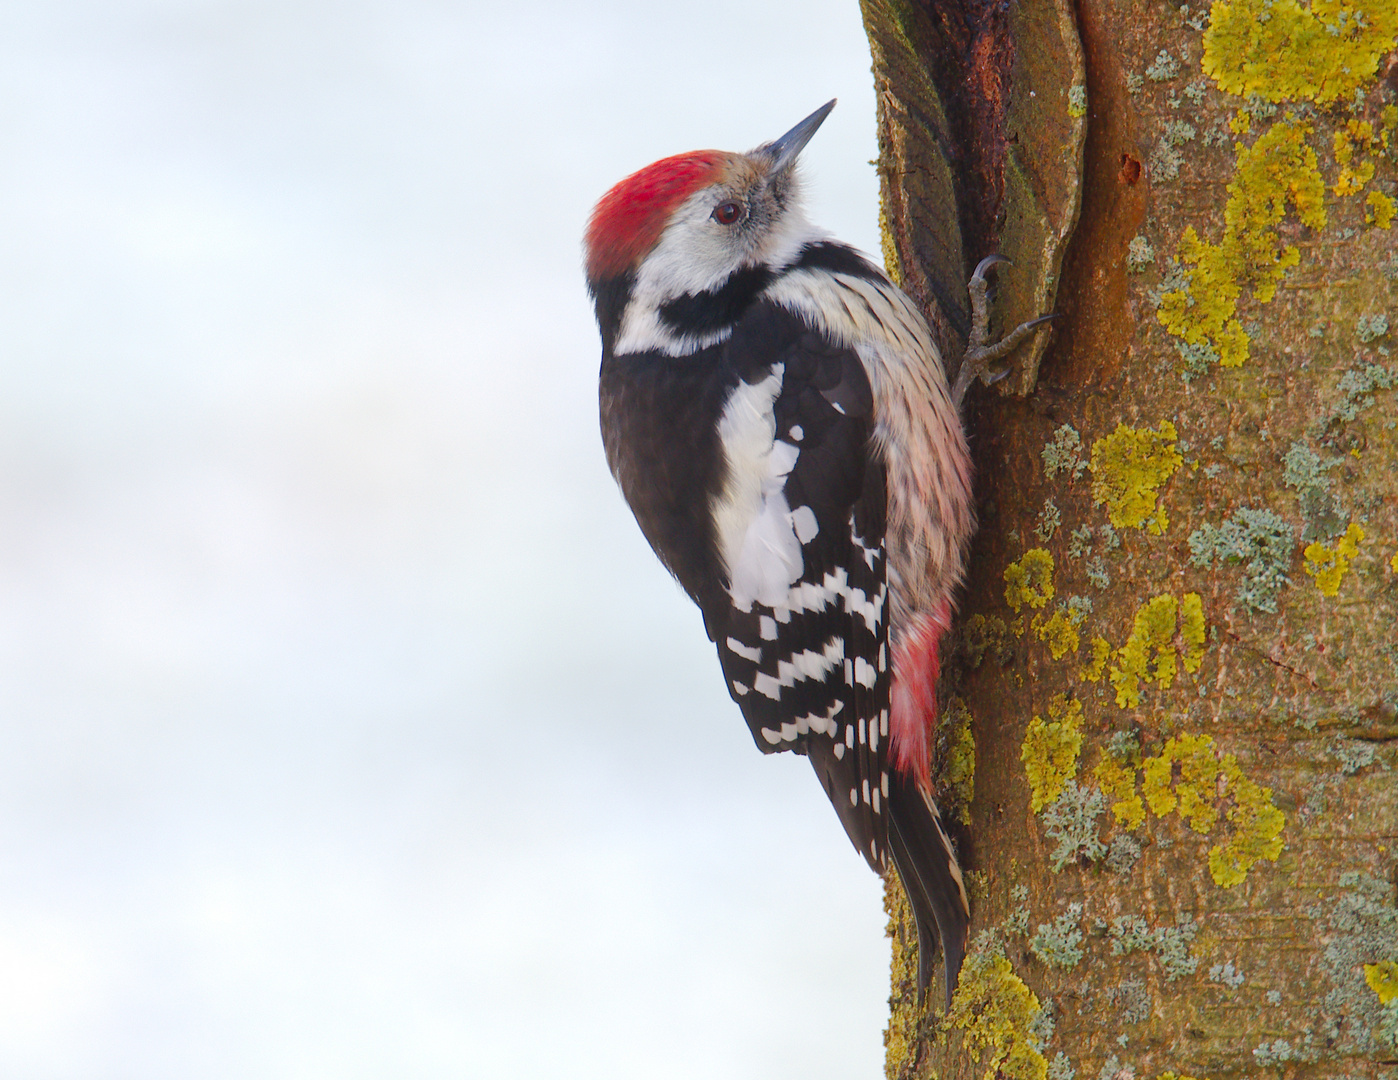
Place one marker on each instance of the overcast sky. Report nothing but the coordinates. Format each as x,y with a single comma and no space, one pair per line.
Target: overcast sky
348,729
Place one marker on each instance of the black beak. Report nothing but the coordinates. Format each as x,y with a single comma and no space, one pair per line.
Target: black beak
785,150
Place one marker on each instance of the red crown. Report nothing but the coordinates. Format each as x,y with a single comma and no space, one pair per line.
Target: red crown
629,219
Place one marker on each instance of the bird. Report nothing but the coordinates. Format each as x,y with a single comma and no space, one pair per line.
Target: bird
783,428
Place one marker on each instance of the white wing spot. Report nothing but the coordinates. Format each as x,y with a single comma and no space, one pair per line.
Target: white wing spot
866,790
839,751
864,673
747,652
853,797
751,516
767,627
797,434
739,688
767,686
771,736
803,520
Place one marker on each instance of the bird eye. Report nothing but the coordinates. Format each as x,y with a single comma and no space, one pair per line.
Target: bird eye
727,213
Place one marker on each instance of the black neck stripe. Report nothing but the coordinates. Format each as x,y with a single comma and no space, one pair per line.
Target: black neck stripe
838,259
716,309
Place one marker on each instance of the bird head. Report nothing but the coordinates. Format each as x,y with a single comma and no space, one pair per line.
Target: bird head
686,228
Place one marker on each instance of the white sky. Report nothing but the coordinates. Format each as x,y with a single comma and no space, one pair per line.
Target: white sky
347,726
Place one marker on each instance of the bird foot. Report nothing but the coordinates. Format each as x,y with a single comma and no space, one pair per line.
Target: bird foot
976,361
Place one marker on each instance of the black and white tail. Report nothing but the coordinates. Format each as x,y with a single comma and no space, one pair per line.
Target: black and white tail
931,877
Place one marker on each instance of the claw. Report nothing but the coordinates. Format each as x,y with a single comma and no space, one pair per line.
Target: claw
985,264
979,355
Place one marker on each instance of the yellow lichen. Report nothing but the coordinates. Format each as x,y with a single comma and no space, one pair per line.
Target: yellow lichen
889,248
1280,49
1128,467
1188,775
1393,563
995,1009
900,1038
1118,782
959,772
1277,170
1257,827
1192,630
1050,750
1029,581
1152,630
1383,980
1329,565
1060,633
1101,653
1355,135
1380,210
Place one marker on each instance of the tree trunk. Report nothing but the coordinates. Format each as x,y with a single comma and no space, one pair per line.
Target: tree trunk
1172,731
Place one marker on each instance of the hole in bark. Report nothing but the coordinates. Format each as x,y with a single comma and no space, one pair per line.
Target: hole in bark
1130,169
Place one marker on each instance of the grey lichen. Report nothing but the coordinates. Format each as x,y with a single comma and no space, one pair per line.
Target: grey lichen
1050,517
1357,388
1071,820
1097,572
1310,477
1352,754
1273,997
1063,453
1017,920
1371,327
1122,854
1139,255
1129,933
1170,944
1227,975
1172,947
1060,1068
1164,161
1164,67
1059,943
1198,359
1125,746
1274,1053
1080,542
1112,1069
1040,1029
1260,540
1130,1001
1362,924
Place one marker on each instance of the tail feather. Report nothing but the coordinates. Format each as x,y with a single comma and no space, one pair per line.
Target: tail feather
932,878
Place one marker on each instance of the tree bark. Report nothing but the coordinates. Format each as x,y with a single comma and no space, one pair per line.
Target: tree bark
1176,676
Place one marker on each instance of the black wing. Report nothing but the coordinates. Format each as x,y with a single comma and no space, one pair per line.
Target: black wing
812,675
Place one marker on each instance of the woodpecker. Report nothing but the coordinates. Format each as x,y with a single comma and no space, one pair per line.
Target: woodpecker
781,424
